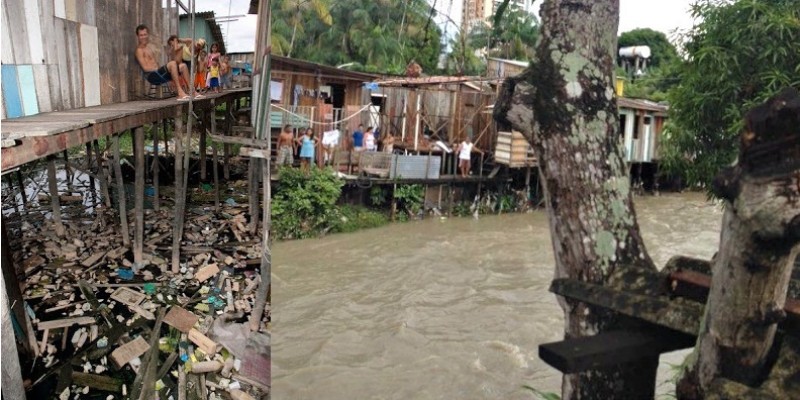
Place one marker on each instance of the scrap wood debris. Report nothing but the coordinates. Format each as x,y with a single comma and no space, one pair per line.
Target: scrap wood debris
107,328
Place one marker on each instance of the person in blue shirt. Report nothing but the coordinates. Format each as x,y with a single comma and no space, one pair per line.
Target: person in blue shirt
358,138
307,144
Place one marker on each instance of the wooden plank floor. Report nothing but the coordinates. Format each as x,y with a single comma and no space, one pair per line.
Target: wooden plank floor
33,137
51,123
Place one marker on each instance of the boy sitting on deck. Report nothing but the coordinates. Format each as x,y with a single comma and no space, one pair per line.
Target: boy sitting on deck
171,72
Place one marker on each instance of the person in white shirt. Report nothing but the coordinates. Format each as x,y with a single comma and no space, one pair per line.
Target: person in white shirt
369,140
464,151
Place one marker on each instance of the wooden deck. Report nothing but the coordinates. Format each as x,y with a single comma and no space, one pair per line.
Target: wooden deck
30,138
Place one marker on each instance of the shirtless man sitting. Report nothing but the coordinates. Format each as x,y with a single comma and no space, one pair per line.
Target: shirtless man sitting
152,72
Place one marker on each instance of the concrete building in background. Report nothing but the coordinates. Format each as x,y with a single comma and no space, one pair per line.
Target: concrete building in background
477,12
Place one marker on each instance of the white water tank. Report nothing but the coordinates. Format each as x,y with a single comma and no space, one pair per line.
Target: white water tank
635,51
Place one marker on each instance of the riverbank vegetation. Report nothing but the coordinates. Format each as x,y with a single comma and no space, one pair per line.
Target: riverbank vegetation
305,206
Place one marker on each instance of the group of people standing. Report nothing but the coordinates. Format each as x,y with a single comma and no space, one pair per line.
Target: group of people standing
363,140
212,70
368,140
287,146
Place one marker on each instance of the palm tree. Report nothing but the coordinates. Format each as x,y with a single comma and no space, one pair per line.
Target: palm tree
296,9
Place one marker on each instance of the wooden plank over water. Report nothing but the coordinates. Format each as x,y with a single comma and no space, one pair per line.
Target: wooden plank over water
49,133
610,348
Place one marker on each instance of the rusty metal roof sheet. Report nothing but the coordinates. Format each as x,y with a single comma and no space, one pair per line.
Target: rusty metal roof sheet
433,80
641,104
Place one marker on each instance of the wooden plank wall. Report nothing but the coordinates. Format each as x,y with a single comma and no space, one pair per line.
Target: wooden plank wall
65,54
353,90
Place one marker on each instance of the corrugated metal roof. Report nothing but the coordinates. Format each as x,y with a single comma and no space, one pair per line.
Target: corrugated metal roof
523,64
432,80
325,69
641,104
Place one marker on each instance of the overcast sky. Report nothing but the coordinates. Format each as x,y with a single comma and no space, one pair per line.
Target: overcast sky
660,15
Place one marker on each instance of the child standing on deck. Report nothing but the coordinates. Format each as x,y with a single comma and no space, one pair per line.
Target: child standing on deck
200,74
213,75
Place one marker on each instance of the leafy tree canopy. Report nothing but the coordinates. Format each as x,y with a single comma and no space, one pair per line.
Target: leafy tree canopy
738,56
374,35
513,34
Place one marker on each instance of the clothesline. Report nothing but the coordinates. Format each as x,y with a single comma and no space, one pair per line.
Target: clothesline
306,119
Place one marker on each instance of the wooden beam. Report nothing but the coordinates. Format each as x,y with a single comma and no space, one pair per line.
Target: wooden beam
680,315
216,162
203,144
99,382
180,195
138,232
156,165
240,140
11,383
610,348
101,172
14,293
54,199
123,209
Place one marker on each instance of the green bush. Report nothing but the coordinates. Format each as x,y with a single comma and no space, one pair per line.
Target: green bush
377,196
353,218
304,204
410,198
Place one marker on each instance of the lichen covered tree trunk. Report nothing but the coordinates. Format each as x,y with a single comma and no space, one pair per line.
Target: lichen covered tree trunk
564,104
758,245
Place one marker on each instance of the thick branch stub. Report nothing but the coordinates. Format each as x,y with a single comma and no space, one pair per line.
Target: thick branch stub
513,108
771,140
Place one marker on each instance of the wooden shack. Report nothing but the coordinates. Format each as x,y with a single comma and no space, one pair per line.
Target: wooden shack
421,111
641,122
303,91
60,55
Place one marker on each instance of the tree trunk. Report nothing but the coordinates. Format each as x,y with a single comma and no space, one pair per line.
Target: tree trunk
564,104
758,246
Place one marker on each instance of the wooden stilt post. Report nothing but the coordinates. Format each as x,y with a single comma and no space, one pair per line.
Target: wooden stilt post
166,139
394,203
67,169
156,168
14,202
203,143
123,212
54,199
93,190
138,233
214,154
450,200
480,177
12,289
180,194
253,187
102,173
21,183
11,383
226,148
528,182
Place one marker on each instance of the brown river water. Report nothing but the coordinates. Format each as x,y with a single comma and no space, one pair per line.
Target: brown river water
442,308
